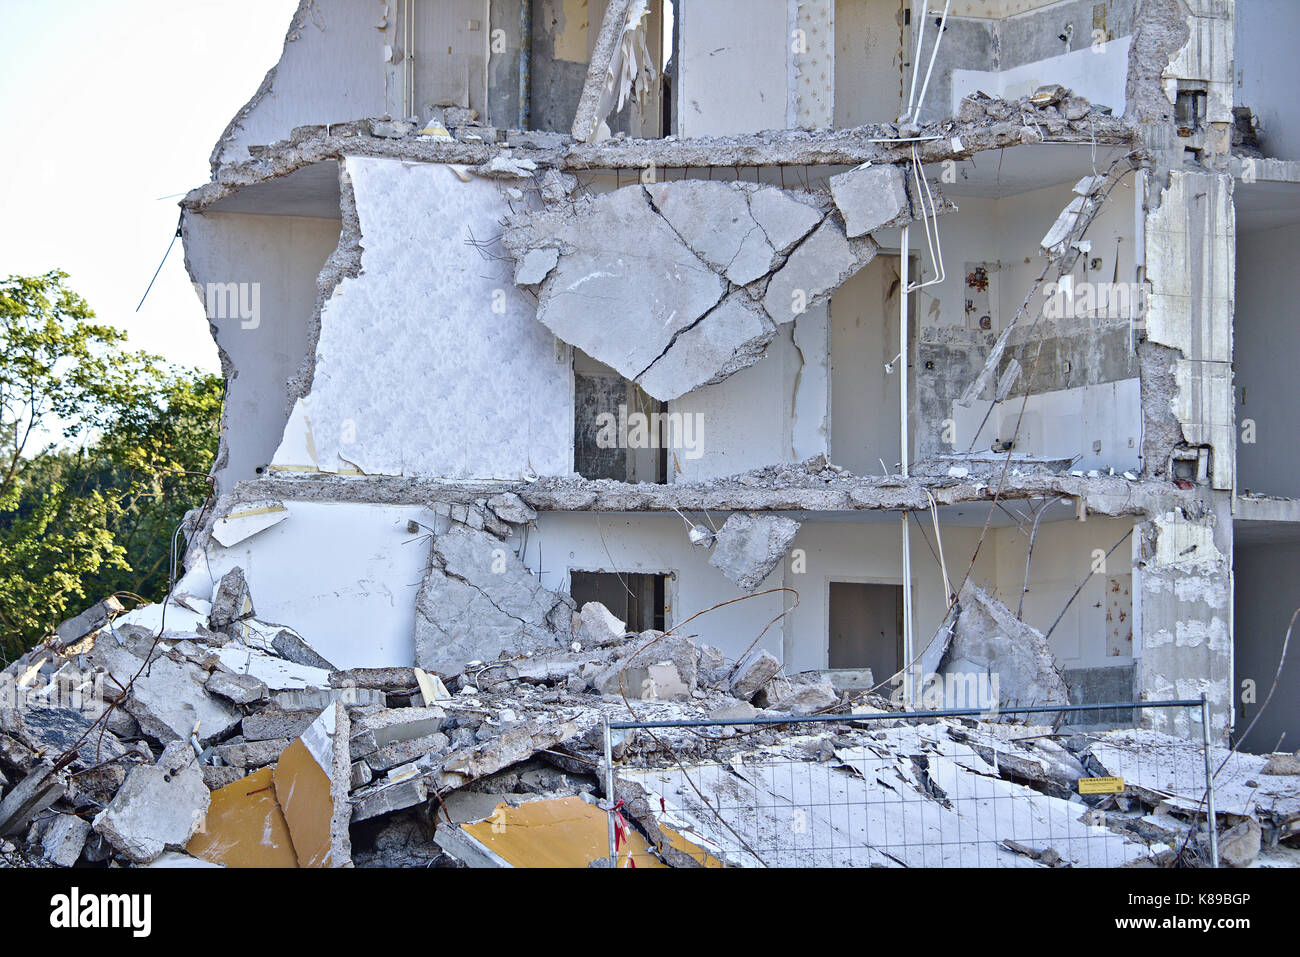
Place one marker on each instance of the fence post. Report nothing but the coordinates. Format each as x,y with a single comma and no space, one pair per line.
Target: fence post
609,796
1209,782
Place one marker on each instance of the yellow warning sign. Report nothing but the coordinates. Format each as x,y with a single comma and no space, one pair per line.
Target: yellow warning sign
1101,785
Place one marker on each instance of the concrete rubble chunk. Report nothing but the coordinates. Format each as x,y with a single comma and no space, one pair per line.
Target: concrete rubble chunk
385,797
1282,764
732,337
818,266
509,507
89,621
373,731
159,808
535,265
513,745
594,625
273,723
290,646
752,672
168,699
241,689
750,545
33,794
64,840
807,697
252,754
988,639
662,668
231,601
1239,845
478,600
871,198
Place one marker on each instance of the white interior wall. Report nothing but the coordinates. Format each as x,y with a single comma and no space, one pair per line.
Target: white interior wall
1098,73
430,361
868,62
283,255
1064,552
732,76
342,575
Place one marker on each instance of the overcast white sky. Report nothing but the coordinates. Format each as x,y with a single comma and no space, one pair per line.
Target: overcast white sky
105,106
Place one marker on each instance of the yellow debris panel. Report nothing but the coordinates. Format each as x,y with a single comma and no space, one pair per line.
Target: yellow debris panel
559,832
245,827
1101,785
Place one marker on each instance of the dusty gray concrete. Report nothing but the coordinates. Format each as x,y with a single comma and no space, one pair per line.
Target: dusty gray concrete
820,265
871,198
478,600
752,672
749,546
159,808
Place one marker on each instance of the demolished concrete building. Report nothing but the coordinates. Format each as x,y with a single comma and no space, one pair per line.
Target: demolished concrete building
812,340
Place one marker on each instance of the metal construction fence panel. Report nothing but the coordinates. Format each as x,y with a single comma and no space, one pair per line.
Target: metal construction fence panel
903,789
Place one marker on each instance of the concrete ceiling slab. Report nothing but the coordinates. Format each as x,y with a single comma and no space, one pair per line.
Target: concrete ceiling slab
311,191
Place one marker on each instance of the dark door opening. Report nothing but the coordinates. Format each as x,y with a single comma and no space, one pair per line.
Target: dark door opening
866,627
636,597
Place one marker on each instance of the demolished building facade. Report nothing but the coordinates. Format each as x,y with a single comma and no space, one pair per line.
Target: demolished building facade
819,329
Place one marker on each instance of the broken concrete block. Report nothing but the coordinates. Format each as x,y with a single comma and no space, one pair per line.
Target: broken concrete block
271,723
289,645
665,668
1240,844
168,699
252,754
821,264
64,840
752,672
595,626
159,807
733,711
989,643
808,697
1282,764
716,221
729,338
33,794
241,689
231,601
871,198
432,690
535,265
88,622
385,798
750,545
373,731
478,600
403,752
278,673
510,747
509,507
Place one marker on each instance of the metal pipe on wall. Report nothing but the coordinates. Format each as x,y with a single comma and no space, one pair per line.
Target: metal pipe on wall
903,299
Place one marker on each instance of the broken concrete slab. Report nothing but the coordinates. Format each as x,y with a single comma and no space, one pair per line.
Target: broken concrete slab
871,198
818,266
750,545
64,840
273,723
807,697
168,699
509,507
88,622
239,688
33,794
276,673
619,258
729,338
290,646
159,808
385,797
373,731
718,222
662,668
752,672
478,600
252,754
991,645
595,626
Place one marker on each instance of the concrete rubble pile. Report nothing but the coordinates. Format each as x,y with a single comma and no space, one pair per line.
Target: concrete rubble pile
193,733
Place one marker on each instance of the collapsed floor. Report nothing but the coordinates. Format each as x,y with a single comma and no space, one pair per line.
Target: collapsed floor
195,734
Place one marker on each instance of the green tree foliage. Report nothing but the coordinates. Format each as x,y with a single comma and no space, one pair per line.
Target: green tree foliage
102,451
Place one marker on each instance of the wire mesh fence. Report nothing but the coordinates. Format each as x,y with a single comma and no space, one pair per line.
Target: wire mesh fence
910,789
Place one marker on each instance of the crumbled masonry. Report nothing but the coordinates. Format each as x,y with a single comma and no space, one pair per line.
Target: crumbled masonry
1016,312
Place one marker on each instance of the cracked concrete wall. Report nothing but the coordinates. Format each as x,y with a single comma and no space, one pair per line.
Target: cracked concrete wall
431,340
282,255
1185,584
297,92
